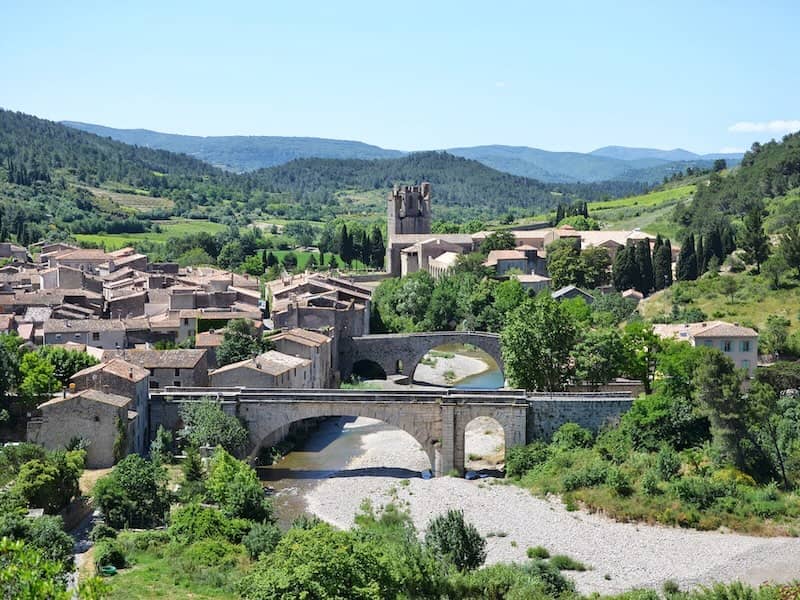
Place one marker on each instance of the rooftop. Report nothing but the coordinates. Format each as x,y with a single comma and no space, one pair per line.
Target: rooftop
94,395
272,362
116,366
160,359
705,329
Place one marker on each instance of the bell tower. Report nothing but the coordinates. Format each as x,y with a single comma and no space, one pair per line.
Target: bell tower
409,210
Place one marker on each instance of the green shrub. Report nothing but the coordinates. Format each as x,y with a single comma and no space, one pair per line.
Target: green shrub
212,553
619,482
143,540
538,552
234,485
562,562
101,531
109,552
571,436
649,482
134,494
554,583
191,523
47,534
699,491
450,537
521,459
668,463
498,582
261,539
590,475
669,587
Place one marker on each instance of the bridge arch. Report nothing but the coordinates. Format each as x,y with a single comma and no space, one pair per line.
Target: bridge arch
267,423
402,352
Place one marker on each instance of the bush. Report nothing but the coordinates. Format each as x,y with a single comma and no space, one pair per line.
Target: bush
134,494
571,436
235,487
555,584
192,523
261,539
47,534
143,540
521,459
498,582
101,531
590,475
51,483
538,552
450,537
211,553
668,463
699,491
562,562
649,482
109,552
619,482
205,424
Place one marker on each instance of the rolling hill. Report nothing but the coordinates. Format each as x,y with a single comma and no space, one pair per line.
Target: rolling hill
250,153
241,153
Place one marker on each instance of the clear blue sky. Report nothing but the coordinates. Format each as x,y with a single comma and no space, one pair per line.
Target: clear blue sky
559,75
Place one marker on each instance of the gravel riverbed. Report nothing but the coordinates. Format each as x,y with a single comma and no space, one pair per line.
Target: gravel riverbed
621,556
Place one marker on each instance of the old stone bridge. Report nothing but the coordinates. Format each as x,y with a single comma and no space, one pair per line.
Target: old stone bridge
436,419
400,353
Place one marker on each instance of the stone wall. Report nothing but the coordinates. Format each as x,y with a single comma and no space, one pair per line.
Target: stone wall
547,413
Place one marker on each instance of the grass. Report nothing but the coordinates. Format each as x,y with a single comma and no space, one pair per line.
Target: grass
138,200
169,229
159,573
752,303
650,212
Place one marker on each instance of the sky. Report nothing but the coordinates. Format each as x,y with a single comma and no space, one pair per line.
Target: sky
708,76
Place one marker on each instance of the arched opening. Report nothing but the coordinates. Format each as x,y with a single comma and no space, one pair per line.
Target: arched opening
366,370
461,366
340,447
484,447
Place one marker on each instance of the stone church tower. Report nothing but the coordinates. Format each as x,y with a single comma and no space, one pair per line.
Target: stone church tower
409,210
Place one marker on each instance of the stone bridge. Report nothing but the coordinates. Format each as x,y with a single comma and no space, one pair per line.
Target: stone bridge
436,419
400,353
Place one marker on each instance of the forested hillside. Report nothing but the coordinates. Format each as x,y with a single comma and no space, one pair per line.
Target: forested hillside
56,181
769,178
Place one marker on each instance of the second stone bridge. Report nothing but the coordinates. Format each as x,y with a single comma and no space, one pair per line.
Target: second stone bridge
400,353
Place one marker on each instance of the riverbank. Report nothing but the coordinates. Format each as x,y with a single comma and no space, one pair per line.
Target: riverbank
621,555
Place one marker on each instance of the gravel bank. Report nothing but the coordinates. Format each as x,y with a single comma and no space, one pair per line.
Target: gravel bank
458,367
622,556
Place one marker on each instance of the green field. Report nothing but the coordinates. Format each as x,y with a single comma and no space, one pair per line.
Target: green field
649,212
138,200
751,304
171,228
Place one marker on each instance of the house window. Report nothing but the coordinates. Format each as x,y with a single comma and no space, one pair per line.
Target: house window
58,336
177,372
77,336
744,346
186,322
176,383
153,384
726,345
746,364
96,336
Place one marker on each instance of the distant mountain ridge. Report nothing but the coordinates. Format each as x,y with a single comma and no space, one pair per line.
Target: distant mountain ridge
241,153
249,153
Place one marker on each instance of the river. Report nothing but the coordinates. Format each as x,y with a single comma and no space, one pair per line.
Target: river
327,452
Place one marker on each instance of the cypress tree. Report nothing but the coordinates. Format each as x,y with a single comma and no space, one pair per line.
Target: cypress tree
626,271
346,248
753,240
662,266
686,269
378,248
644,261
701,257
559,214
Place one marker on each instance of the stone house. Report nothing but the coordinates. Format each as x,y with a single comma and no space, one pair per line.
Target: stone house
92,415
176,368
506,260
740,344
271,369
314,346
124,379
209,341
100,333
571,291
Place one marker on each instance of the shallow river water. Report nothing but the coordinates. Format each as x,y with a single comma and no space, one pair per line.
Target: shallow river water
327,452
